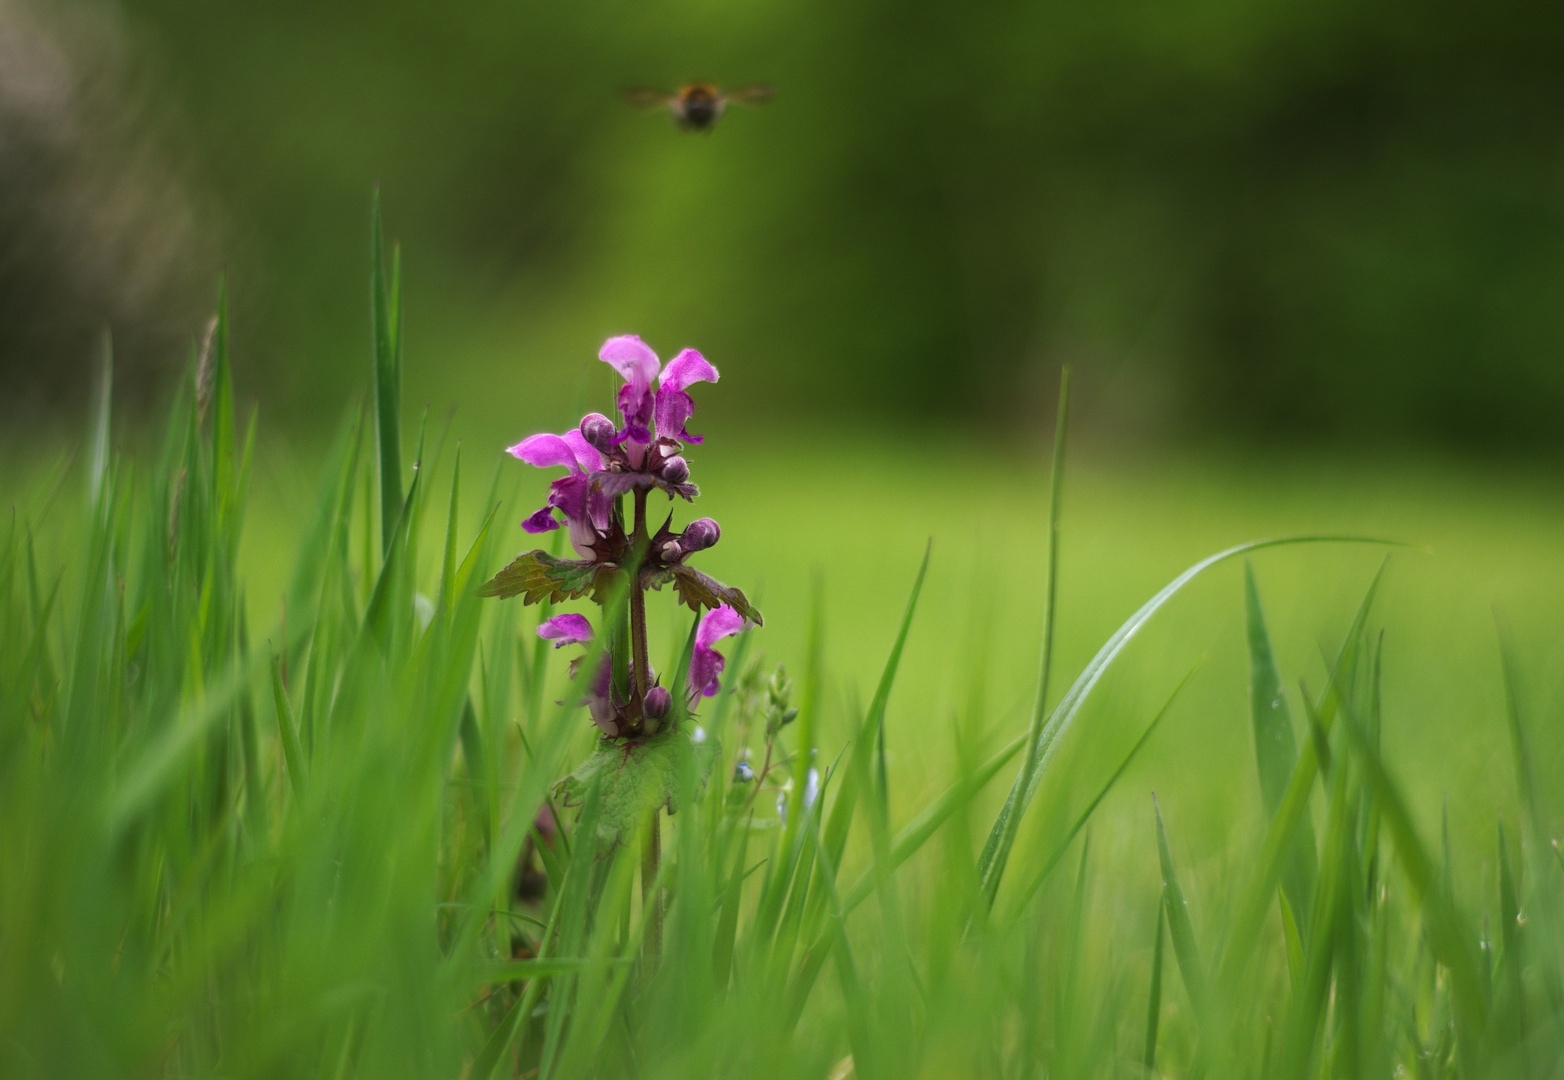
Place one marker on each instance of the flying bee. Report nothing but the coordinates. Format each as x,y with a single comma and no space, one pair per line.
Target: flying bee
697,106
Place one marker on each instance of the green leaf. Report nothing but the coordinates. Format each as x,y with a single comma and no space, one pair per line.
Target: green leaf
537,576
1179,927
292,752
1282,833
1520,749
1448,933
699,590
1154,998
637,776
1293,941
1275,750
385,309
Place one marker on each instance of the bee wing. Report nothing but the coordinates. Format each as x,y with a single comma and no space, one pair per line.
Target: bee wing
643,98
758,94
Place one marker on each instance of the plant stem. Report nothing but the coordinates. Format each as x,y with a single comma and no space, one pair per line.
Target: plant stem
643,666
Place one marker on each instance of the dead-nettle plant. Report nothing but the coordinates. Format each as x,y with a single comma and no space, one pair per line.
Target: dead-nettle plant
647,750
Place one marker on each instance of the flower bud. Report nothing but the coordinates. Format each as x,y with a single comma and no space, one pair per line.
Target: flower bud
676,470
598,431
658,702
699,534
743,772
671,551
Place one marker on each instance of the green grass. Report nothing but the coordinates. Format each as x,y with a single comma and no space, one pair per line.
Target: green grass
267,765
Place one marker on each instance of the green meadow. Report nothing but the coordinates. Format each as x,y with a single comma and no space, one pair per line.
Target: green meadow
272,766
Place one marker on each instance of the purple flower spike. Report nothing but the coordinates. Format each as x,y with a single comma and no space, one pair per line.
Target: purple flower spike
637,363
674,407
565,630
707,663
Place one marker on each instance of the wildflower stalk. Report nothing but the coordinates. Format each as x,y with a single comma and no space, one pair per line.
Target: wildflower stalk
643,750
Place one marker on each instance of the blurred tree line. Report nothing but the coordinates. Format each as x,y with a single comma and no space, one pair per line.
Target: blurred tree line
1277,219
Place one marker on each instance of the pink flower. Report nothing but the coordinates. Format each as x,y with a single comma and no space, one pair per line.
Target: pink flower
565,630
586,509
670,406
706,663
674,407
574,629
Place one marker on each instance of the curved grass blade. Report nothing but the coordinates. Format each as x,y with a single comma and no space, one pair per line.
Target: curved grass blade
1027,893
1069,706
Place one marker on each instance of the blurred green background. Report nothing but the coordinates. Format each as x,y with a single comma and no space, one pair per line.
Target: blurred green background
1238,220
1305,260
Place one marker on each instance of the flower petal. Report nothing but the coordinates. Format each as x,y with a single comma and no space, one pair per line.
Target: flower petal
716,625
588,458
686,368
599,507
545,451
631,357
706,663
636,405
674,409
705,666
571,495
568,629
541,522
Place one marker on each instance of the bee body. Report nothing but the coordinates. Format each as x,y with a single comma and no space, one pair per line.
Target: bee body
698,106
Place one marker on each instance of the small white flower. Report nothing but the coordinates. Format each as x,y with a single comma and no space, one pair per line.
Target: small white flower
811,792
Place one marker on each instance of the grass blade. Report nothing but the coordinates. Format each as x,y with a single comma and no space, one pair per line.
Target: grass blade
1185,950
994,862
1069,706
1154,998
387,376
1275,750
292,753
1027,893
1448,935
